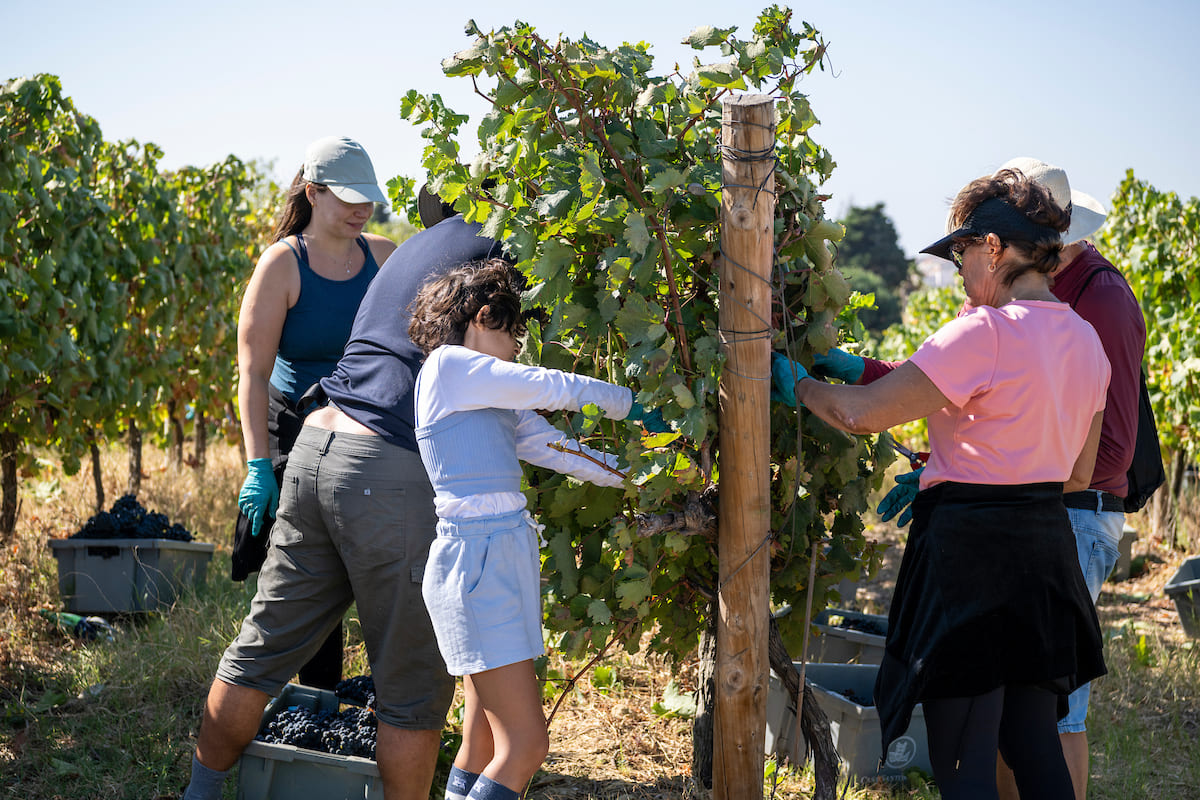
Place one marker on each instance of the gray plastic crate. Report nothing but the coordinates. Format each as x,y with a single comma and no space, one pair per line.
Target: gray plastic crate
284,772
1184,589
855,727
847,637
104,576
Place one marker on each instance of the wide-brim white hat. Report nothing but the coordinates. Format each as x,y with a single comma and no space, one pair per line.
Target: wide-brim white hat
1087,215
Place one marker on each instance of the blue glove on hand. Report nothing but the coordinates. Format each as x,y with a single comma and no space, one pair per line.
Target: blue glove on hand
651,420
260,493
839,364
785,374
900,498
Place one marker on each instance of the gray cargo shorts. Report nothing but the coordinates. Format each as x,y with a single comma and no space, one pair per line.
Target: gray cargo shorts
355,522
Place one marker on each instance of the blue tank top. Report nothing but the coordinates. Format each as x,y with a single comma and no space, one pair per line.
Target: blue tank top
317,328
451,448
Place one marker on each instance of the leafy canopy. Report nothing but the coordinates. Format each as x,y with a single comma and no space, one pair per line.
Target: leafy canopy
604,181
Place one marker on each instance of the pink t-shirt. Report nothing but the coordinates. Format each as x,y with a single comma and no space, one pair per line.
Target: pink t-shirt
1024,381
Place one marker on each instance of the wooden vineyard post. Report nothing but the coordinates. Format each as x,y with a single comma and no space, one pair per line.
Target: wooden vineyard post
747,253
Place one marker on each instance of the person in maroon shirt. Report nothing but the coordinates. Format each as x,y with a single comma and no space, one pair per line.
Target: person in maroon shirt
1098,293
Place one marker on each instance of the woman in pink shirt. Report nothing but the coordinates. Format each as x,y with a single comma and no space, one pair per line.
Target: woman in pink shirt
991,625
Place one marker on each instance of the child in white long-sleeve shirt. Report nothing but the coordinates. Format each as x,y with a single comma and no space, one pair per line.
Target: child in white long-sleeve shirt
476,420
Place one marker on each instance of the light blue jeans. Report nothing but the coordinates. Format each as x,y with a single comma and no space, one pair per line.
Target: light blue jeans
1097,541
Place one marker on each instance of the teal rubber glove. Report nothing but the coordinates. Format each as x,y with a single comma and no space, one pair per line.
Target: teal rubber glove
260,493
899,500
839,364
651,420
785,374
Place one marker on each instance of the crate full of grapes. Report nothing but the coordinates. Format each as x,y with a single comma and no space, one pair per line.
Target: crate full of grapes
127,560
309,745
848,637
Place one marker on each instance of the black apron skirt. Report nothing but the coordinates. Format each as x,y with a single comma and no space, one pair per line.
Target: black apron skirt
989,593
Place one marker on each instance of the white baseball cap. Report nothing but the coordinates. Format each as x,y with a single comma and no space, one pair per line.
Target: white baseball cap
1087,215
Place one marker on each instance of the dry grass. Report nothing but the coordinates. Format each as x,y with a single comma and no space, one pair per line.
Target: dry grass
53,506
89,721
605,739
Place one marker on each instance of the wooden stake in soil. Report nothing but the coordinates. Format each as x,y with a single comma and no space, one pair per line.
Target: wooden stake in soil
747,245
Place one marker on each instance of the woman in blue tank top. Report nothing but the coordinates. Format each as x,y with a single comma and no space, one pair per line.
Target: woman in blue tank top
295,320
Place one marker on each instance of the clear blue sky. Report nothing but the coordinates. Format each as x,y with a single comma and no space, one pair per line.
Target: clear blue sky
923,95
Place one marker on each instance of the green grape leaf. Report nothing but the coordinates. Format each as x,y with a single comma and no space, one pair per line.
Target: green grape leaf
598,611
726,75
675,703
706,36
637,236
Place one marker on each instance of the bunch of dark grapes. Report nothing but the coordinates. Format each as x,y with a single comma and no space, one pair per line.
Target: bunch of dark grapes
297,726
349,733
359,690
867,626
127,519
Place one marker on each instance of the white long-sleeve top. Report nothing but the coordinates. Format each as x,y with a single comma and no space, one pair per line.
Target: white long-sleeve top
456,378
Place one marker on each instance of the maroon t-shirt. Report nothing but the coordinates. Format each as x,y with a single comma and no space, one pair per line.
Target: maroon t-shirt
1109,305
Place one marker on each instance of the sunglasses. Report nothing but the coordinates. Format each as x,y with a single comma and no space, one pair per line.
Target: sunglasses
958,247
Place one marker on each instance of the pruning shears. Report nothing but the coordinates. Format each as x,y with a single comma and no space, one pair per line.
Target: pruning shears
915,460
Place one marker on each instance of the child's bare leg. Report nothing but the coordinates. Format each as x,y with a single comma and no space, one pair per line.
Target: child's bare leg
512,705
477,748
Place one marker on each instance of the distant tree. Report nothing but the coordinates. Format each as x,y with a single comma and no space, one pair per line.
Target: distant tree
871,259
888,303
871,244
381,215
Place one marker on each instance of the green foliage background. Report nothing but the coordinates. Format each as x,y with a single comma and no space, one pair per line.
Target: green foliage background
870,256
1153,237
607,194
121,282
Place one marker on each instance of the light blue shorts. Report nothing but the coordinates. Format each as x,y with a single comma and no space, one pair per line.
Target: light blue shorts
482,587
1097,540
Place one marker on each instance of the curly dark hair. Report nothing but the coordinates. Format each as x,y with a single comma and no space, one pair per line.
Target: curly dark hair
443,309
1031,199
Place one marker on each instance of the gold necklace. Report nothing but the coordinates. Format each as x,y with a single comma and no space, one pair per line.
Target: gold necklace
349,261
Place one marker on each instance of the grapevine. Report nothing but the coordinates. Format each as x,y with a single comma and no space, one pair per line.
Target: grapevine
603,180
122,283
1153,237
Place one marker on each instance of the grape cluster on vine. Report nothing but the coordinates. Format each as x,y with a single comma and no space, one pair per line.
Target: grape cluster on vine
128,519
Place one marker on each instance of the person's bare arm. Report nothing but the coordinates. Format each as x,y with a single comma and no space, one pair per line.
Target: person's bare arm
904,394
1081,473
271,291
